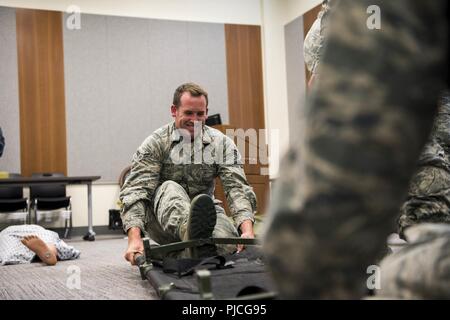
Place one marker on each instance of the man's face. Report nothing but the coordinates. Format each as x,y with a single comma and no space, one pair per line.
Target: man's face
191,109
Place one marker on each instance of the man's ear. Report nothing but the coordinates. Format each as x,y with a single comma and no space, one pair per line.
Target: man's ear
173,110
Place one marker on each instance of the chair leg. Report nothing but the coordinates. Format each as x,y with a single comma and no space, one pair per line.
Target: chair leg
35,211
28,212
68,229
71,225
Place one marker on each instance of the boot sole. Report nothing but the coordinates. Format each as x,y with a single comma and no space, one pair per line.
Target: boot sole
202,221
203,217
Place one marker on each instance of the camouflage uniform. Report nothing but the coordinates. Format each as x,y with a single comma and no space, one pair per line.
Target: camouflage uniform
421,269
367,120
429,194
157,193
314,40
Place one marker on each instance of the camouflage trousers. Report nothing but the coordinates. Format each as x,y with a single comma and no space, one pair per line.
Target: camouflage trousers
428,199
171,207
421,269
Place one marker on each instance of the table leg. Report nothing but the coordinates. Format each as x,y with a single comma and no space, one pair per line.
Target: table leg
90,236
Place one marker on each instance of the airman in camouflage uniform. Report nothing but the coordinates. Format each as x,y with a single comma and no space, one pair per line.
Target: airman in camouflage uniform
368,118
314,40
172,166
421,269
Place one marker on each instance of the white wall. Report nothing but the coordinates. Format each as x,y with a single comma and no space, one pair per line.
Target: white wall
275,91
104,197
296,8
275,14
272,15
9,92
222,11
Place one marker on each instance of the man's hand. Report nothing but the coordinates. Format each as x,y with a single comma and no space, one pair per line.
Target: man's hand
311,81
135,245
246,232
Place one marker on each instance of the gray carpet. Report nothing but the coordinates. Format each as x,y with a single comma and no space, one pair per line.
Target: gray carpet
104,274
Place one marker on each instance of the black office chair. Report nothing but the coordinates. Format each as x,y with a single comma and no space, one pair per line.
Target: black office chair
115,221
213,120
12,202
48,199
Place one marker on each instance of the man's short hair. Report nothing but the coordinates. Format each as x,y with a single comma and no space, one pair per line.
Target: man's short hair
194,89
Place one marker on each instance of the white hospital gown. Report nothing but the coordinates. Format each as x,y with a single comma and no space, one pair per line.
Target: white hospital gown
13,251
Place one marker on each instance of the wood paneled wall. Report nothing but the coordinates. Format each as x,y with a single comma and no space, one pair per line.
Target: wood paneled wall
41,91
246,98
244,73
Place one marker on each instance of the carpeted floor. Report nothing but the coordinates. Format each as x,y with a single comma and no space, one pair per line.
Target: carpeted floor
101,270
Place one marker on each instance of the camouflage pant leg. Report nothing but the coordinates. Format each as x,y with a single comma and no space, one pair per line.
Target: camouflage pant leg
421,270
224,229
428,199
171,208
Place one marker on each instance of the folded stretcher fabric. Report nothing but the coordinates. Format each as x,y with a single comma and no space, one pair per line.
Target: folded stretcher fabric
232,276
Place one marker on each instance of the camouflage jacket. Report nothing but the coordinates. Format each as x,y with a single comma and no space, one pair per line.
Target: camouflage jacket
164,156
